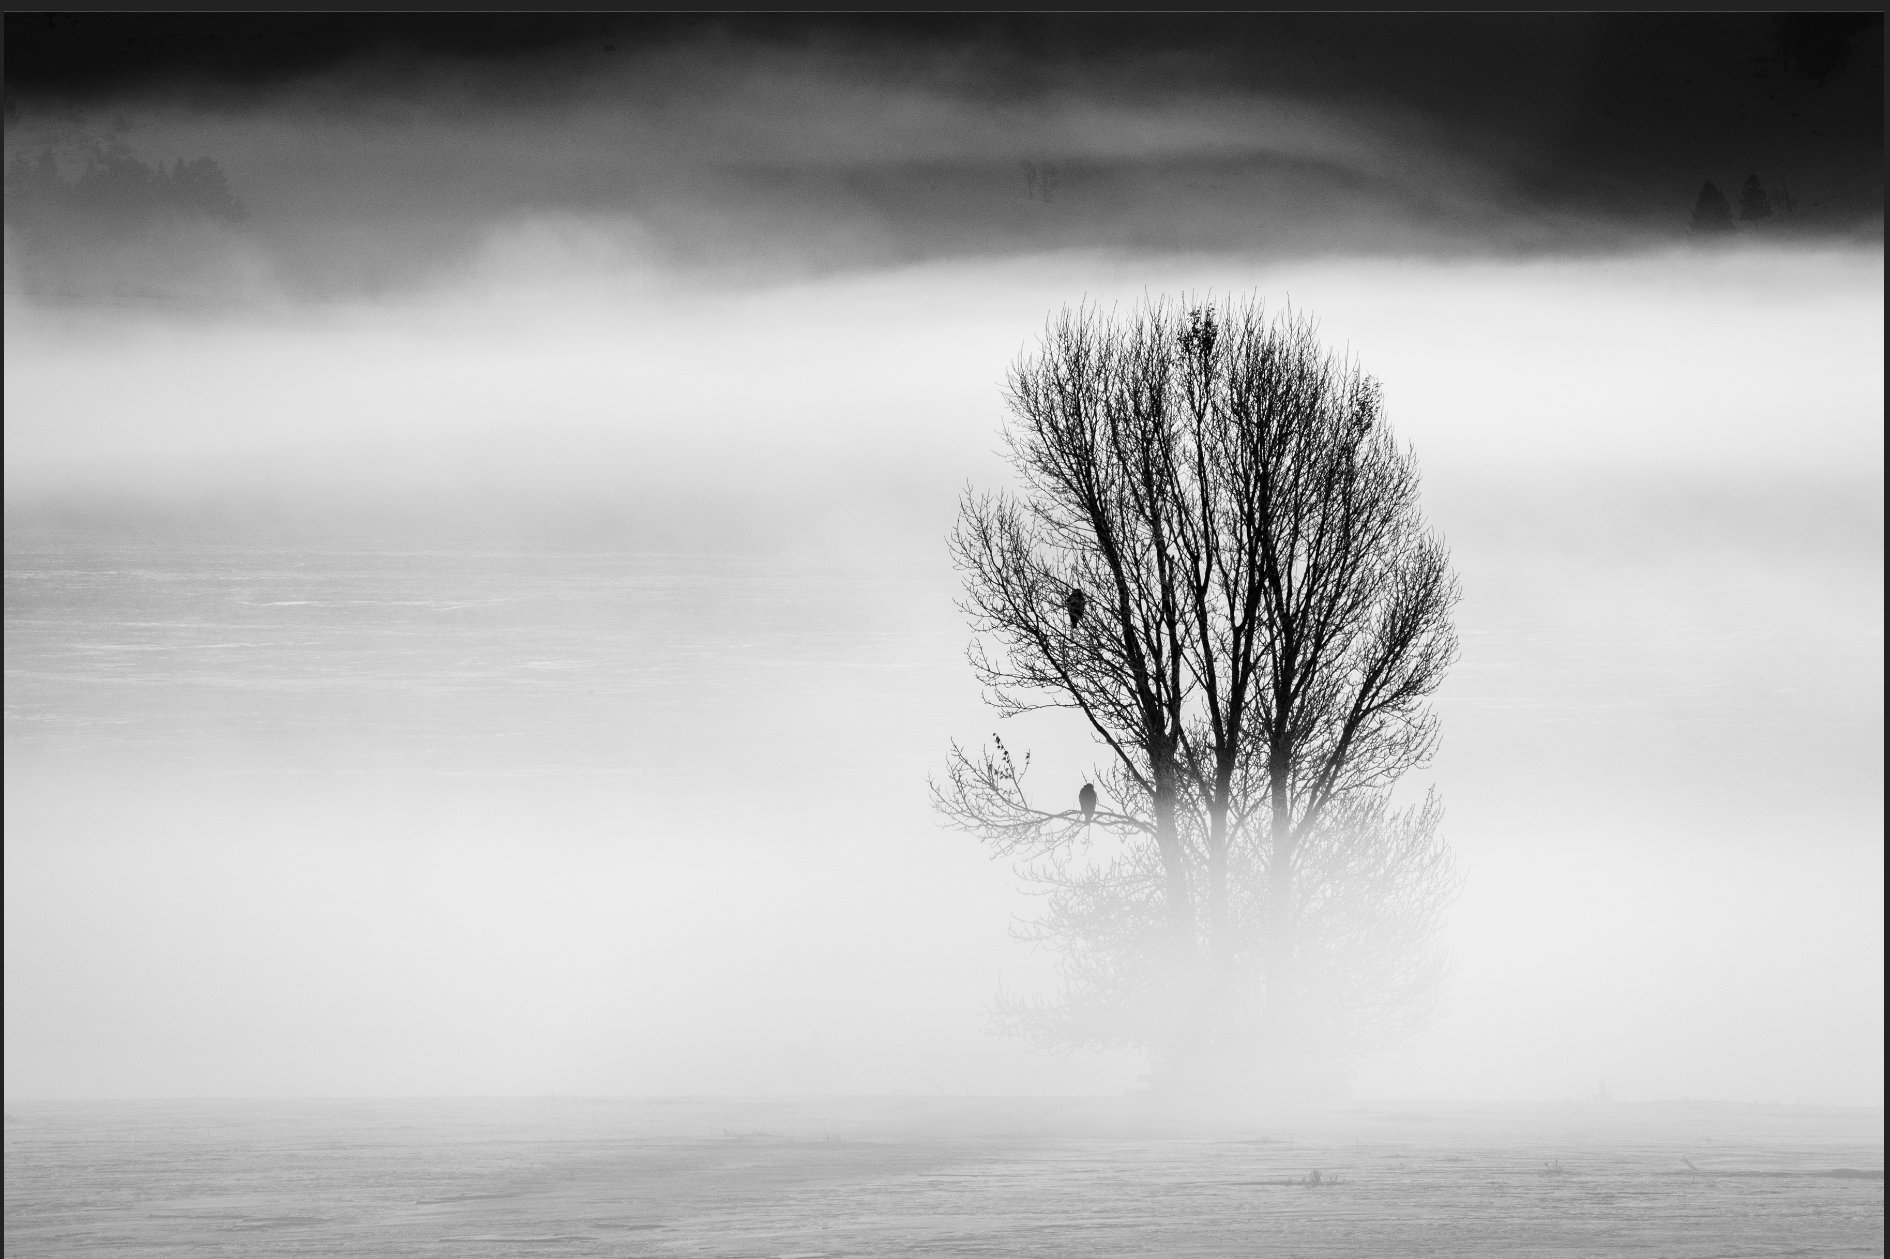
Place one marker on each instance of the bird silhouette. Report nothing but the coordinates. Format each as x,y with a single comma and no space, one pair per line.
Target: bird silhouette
1074,603
1086,801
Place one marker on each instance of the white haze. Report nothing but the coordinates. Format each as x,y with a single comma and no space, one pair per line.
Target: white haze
1660,476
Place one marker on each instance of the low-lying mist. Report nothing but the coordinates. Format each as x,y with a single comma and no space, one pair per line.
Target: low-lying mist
565,363
528,683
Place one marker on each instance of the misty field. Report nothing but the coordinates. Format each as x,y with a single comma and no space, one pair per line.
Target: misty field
936,1176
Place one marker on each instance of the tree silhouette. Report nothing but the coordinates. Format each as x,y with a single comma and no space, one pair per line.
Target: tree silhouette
1268,616
114,193
1711,211
1041,180
1754,205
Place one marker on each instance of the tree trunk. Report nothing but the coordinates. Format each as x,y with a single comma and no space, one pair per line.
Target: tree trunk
1220,942
1218,989
1281,1004
1168,841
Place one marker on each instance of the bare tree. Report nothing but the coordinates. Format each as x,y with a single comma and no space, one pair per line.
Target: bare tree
1218,561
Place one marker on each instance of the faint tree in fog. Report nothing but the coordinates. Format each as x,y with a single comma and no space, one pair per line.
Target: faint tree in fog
1754,205
200,185
1783,200
1711,211
114,193
1266,615
1040,181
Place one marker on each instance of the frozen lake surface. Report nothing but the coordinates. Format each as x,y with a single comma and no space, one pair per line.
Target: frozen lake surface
542,664
936,1176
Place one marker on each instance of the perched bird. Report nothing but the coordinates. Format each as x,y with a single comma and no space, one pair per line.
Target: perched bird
1074,603
1086,801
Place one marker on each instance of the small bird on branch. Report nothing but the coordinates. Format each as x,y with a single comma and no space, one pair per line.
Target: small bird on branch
1074,603
1086,801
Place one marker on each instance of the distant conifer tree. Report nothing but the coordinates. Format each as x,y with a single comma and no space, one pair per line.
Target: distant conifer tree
1783,200
1753,203
202,185
116,192
1712,212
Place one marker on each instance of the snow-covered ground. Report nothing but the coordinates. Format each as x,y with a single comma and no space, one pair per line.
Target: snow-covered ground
936,1176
